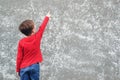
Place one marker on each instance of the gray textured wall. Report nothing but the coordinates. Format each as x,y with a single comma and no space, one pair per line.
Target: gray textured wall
81,42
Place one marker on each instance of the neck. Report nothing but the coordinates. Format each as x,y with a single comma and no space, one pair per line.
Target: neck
30,34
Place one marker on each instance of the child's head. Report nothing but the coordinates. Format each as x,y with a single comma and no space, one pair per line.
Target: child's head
27,27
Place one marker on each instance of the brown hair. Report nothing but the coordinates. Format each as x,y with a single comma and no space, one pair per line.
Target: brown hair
26,27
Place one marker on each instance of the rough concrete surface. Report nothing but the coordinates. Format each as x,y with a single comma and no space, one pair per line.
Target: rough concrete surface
81,41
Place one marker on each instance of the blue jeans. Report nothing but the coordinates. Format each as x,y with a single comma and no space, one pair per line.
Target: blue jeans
30,72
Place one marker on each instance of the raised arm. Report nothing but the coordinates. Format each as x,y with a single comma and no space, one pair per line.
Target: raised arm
43,26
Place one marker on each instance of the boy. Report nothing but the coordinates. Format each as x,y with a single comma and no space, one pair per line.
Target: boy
29,54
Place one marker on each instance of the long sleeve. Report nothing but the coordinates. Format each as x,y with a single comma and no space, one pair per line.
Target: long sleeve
19,57
42,28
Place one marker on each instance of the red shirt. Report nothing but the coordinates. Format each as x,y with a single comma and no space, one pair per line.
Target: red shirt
29,48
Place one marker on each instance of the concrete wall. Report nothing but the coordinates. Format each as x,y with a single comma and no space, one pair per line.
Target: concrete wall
81,41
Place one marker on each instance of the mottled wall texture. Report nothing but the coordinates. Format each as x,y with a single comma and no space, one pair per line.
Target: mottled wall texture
81,41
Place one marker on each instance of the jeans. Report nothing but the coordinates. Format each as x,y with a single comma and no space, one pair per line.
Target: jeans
30,72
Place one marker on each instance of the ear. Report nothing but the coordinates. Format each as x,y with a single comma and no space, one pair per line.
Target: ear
33,30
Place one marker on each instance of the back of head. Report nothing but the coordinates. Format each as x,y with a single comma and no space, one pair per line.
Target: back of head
26,27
